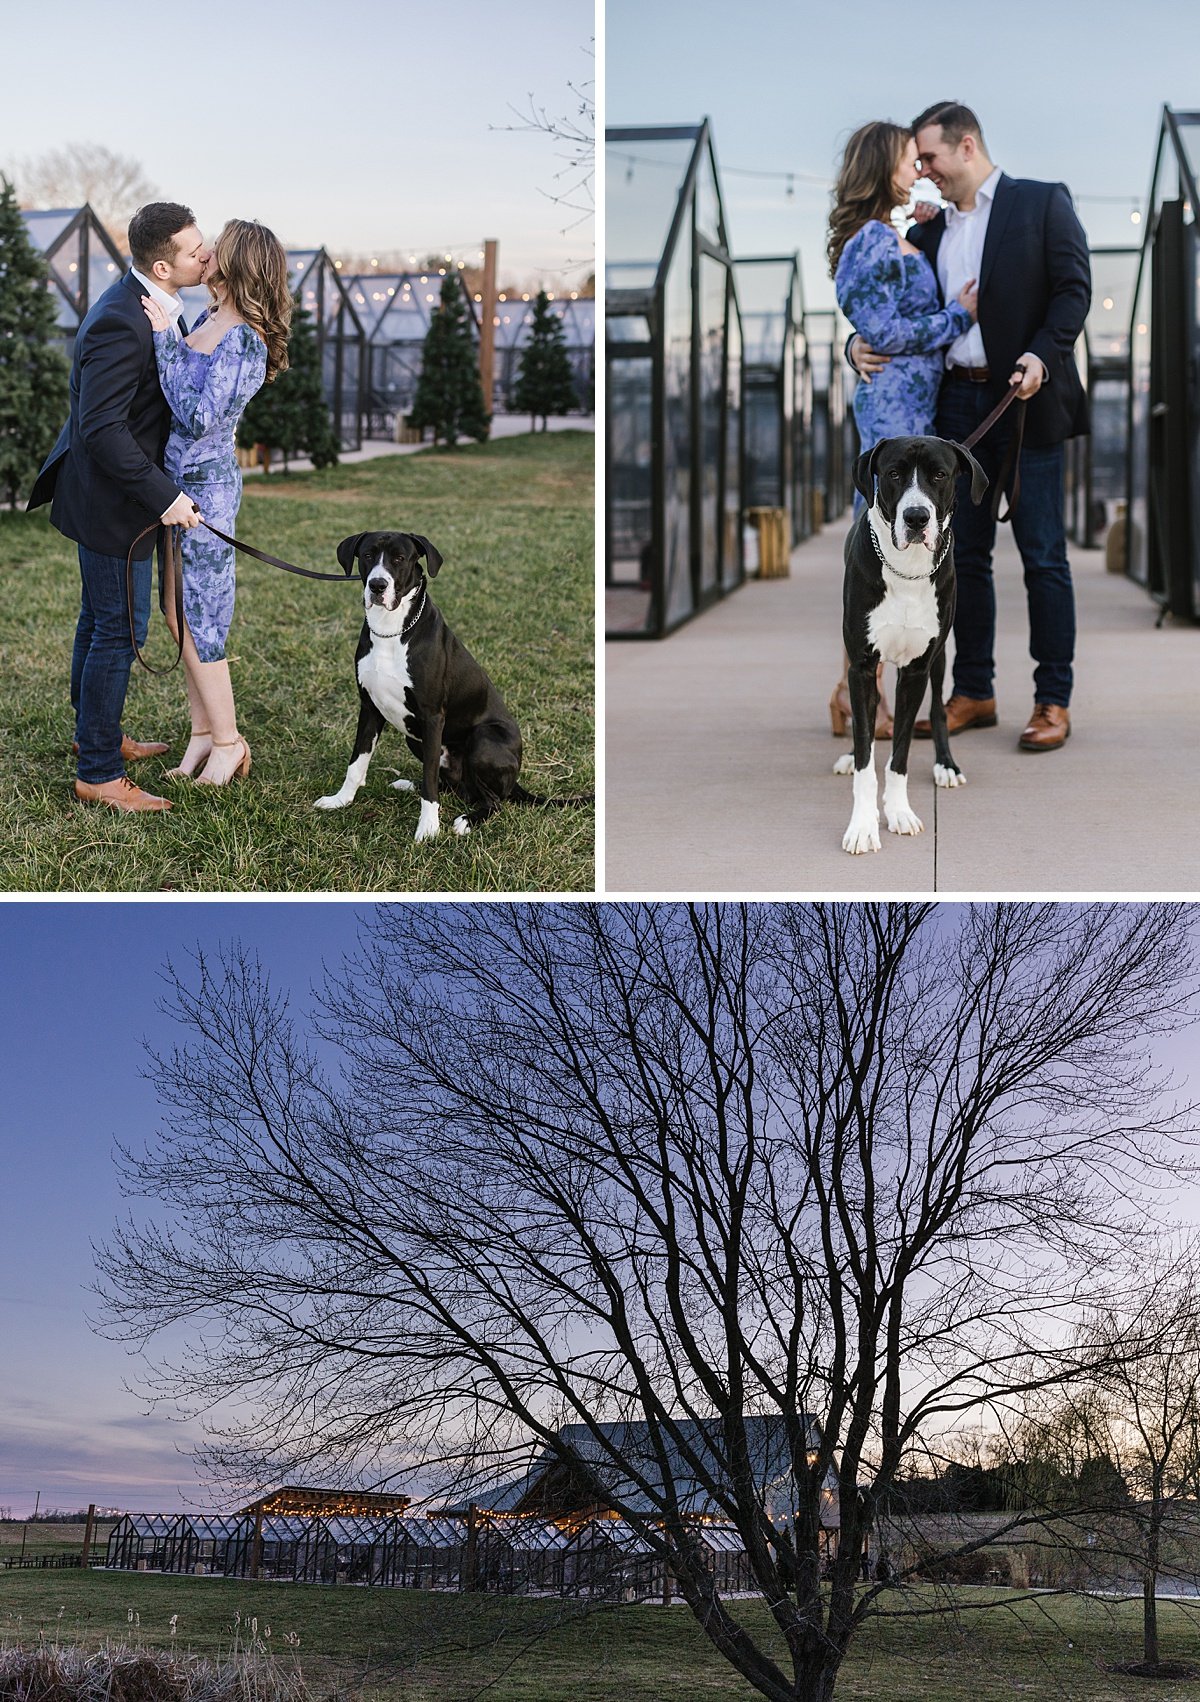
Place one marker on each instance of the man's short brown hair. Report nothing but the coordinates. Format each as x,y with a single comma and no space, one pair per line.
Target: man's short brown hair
955,119
153,229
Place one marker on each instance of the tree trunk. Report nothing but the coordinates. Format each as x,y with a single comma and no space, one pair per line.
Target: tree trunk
1149,1584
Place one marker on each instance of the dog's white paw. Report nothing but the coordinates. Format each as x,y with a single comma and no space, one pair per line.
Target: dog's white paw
461,825
901,819
844,764
334,801
862,834
404,786
948,776
429,821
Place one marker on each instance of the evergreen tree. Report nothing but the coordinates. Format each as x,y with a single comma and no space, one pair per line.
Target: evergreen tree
546,385
449,397
292,415
34,374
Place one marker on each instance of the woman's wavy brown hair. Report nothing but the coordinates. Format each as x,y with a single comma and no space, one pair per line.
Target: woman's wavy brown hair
864,188
251,263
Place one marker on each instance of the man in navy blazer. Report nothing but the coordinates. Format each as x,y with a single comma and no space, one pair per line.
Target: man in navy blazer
1024,243
105,481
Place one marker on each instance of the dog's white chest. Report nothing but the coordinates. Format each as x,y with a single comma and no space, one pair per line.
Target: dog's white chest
905,623
383,674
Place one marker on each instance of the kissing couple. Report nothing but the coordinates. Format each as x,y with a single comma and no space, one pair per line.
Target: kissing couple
991,289
150,439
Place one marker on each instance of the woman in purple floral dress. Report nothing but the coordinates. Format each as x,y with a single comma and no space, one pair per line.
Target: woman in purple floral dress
208,377
888,292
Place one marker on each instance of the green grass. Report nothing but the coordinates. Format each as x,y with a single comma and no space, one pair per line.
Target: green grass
396,1645
46,1538
514,521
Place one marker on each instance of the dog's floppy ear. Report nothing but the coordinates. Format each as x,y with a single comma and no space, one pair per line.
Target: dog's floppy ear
347,550
864,471
433,557
968,464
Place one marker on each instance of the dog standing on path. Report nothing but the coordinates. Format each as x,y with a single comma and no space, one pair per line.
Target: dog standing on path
898,606
413,672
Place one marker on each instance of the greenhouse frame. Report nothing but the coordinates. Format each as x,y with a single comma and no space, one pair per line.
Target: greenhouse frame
395,310
777,393
673,359
834,433
341,338
512,1554
1097,465
83,261
1163,532
514,316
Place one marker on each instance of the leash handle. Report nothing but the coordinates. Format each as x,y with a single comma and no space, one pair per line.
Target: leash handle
174,563
1011,466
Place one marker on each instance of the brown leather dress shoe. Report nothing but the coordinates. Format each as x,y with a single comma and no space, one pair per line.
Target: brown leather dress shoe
132,750
961,713
119,794
1049,728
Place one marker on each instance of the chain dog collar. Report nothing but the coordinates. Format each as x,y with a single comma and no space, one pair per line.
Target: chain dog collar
884,562
409,623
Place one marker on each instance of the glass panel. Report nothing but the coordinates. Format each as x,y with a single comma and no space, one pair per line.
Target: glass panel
713,276
630,495
644,177
626,328
1189,138
763,444
731,550
1114,272
1139,445
45,227
677,436
708,203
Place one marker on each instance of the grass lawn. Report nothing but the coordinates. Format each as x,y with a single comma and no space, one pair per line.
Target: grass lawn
396,1645
514,521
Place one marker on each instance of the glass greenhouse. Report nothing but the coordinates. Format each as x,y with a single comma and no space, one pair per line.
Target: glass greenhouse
673,363
513,319
1164,475
834,434
395,310
597,1557
83,261
341,338
1097,466
777,394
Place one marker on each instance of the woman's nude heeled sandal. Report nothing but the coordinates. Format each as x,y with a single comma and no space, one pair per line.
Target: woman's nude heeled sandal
242,769
182,773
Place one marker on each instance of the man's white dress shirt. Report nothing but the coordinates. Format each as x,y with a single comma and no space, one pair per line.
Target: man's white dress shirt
170,304
959,259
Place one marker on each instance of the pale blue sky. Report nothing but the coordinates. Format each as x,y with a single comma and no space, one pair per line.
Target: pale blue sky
358,126
1070,91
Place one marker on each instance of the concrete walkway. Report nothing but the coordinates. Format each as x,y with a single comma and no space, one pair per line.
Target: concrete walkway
719,755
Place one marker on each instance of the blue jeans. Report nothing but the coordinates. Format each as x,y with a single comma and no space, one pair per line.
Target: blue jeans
1040,536
102,658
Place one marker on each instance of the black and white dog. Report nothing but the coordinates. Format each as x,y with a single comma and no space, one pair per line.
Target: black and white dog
413,672
898,606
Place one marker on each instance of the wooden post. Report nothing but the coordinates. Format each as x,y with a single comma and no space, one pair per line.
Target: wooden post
87,1534
487,328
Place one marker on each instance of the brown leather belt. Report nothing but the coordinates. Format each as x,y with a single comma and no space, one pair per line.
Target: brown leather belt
969,374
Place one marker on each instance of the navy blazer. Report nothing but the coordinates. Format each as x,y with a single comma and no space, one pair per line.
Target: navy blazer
104,475
1035,289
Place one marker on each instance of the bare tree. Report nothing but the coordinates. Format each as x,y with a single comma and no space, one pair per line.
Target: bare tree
681,1164
115,184
574,136
1131,1428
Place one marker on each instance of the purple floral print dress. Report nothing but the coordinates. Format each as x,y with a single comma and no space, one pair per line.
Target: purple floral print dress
207,394
891,299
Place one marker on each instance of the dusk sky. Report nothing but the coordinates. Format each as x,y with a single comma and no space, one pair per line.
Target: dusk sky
1069,92
373,125
81,983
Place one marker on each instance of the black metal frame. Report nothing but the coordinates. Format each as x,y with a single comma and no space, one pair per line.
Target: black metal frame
649,302
92,235
793,423
835,435
345,401
1086,508
1167,275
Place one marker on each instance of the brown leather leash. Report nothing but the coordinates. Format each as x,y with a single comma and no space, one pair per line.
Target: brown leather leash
174,562
1012,457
